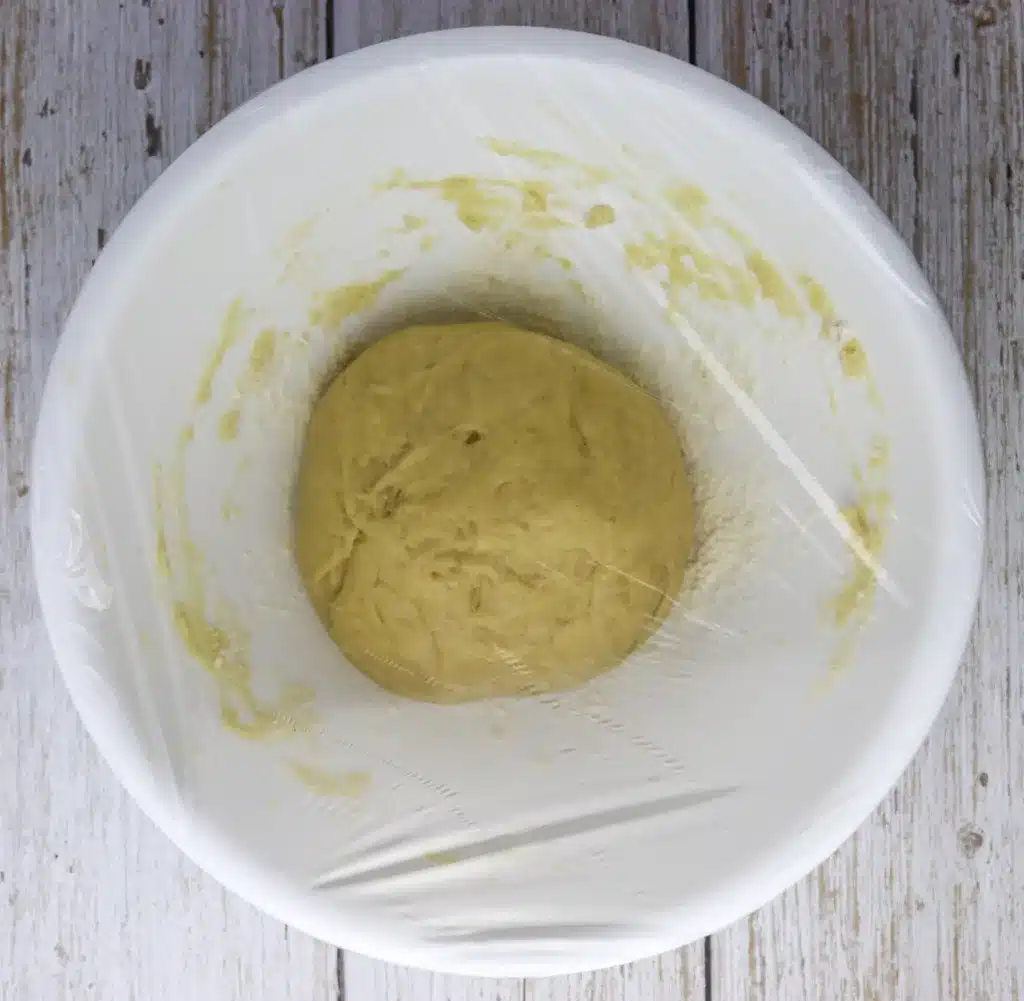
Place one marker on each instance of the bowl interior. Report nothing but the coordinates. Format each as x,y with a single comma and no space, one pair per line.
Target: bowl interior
672,226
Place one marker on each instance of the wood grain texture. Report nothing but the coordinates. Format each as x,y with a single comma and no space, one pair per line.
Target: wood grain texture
658,24
96,98
369,980
675,976
922,102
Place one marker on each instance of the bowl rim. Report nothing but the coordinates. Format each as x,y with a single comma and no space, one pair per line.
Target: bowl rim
901,728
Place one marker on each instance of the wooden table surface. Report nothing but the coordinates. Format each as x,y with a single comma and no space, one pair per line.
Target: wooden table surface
922,100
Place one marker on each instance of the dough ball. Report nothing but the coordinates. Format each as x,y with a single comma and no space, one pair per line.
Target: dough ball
485,511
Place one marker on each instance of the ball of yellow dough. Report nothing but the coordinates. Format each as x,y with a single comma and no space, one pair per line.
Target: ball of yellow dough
486,511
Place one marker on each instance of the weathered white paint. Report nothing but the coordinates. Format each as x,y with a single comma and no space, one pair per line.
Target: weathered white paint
658,24
96,98
676,976
368,980
923,101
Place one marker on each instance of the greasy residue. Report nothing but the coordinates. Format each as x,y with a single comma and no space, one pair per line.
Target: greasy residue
773,286
325,783
548,159
333,307
163,558
599,215
868,518
261,358
222,651
689,200
820,303
686,266
231,329
411,223
489,203
227,425
262,354
441,858
852,359
218,644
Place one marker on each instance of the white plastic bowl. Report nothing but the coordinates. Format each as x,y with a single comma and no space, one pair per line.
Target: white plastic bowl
660,802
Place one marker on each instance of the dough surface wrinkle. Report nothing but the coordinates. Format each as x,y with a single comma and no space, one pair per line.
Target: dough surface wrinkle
487,511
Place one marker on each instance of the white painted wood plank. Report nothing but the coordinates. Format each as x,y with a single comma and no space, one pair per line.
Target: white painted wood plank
675,976
369,980
657,24
96,98
922,101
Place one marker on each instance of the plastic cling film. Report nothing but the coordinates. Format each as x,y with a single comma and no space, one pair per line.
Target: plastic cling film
703,253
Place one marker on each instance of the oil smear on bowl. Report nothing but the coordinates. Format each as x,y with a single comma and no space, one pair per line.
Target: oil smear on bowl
218,644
